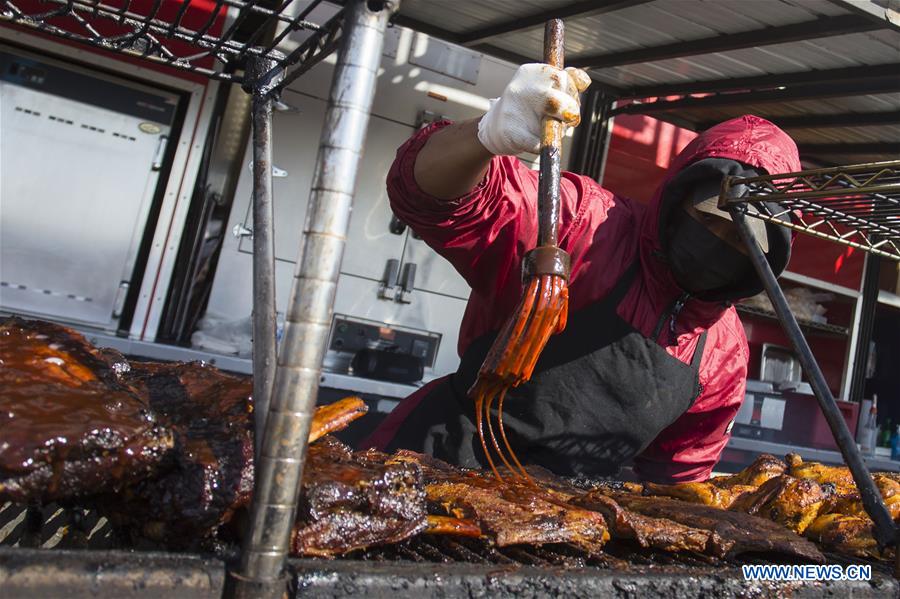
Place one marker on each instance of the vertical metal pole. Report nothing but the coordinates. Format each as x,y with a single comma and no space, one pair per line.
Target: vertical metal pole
264,327
866,324
591,142
885,530
309,313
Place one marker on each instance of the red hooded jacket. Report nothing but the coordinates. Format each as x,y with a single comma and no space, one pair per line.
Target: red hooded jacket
486,232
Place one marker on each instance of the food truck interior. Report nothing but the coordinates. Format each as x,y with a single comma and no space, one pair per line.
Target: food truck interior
131,153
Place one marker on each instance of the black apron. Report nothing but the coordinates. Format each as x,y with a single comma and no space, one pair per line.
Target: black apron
599,394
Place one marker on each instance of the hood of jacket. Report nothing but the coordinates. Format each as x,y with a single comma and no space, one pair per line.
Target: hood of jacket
739,146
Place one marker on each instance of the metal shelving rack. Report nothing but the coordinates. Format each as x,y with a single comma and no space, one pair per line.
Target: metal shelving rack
857,206
237,41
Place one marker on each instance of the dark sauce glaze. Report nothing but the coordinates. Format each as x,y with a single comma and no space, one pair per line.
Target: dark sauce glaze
61,399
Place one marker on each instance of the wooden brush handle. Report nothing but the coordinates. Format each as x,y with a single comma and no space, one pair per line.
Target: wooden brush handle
551,146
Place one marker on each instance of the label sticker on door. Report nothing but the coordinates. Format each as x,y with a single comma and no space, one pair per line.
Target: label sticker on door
151,128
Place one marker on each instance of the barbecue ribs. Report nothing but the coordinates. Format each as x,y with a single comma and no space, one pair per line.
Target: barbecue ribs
351,500
647,531
731,533
72,424
211,472
509,513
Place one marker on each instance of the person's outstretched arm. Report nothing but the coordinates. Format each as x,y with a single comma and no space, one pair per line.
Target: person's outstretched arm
456,158
453,161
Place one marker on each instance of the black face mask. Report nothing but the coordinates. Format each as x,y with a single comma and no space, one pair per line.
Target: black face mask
700,261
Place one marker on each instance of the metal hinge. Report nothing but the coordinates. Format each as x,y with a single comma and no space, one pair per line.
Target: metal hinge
241,230
277,172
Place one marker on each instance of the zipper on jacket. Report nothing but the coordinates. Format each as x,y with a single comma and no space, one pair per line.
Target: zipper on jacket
671,314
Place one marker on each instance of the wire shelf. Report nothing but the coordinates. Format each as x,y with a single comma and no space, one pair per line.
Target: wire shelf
207,37
857,206
821,327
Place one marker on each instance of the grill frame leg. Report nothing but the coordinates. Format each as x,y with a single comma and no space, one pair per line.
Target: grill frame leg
885,529
264,314
308,321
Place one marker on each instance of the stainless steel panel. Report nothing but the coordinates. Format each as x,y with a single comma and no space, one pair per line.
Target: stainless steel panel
427,312
433,273
448,59
76,188
369,242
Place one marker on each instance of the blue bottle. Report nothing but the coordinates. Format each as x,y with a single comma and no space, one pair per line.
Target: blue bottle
895,444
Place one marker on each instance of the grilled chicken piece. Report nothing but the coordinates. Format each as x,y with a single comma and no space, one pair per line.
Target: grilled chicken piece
731,533
351,500
839,476
703,493
763,468
510,513
850,504
722,491
71,424
792,502
621,486
846,534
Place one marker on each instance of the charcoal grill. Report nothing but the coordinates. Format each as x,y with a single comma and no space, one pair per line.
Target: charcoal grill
422,566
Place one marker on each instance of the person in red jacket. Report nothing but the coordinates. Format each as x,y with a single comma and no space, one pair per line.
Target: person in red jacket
652,366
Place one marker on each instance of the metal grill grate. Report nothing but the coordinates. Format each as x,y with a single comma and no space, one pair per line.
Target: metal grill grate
857,206
208,37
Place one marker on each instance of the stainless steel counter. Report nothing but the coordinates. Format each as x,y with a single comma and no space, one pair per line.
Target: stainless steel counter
331,380
754,446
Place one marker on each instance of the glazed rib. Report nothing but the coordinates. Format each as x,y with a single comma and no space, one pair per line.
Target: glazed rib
731,533
509,513
355,500
71,424
336,416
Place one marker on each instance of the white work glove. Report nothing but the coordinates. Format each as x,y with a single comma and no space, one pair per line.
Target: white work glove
512,124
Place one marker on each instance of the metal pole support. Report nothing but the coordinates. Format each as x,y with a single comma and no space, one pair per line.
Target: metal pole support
264,325
867,306
310,310
885,529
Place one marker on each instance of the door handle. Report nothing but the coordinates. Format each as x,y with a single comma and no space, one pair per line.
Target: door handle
160,152
407,283
119,302
389,279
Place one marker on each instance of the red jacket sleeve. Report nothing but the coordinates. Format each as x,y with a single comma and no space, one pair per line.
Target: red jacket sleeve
482,233
485,233
689,448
